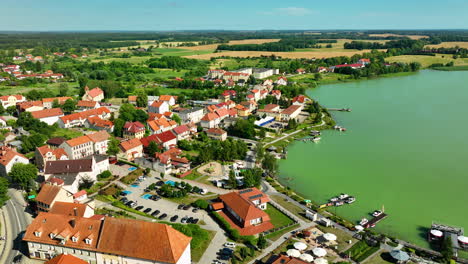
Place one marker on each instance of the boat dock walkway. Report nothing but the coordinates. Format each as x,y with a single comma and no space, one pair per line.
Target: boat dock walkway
340,109
375,220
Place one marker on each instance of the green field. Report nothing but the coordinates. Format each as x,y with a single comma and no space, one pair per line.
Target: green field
278,219
72,88
426,61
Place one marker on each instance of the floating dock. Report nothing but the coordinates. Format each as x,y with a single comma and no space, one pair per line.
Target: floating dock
340,109
375,220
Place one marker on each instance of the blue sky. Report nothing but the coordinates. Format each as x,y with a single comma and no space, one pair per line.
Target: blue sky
54,15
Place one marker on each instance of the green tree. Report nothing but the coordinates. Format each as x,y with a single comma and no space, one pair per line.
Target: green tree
202,204
113,148
142,100
23,174
317,76
118,127
69,106
3,191
270,165
176,118
38,67
63,89
446,250
153,148
11,109
232,181
260,152
262,242
2,109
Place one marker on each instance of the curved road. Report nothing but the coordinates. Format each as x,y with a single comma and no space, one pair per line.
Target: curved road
15,219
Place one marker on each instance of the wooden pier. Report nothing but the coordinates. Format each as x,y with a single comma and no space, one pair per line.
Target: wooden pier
375,220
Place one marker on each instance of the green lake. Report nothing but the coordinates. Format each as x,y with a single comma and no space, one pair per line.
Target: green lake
406,147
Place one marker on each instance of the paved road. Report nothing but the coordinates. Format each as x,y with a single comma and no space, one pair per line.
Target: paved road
17,219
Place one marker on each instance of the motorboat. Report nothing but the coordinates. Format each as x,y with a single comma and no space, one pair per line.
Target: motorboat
339,203
376,213
334,199
350,200
363,222
315,139
343,196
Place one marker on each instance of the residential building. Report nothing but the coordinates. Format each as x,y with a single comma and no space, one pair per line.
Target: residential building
171,162
284,259
132,149
134,130
194,114
235,76
276,94
272,110
245,209
161,125
217,133
45,153
182,132
48,116
51,193
30,106
79,119
300,71
171,100
72,209
132,99
282,81
72,172
159,107
110,240
79,147
299,100
87,105
165,139
291,112
228,95
11,100
259,73
9,157
49,102
97,123
95,94
364,61
100,142
55,142
210,120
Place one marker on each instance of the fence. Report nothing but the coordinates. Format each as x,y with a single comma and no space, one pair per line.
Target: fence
287,213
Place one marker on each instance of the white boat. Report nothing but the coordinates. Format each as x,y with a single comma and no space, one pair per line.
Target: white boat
350,200
343,196
363,221
376,213
334,199
339,203
315,139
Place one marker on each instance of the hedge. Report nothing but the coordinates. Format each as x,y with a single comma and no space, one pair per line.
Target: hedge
233,233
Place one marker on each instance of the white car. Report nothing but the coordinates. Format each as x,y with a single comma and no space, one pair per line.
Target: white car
230,244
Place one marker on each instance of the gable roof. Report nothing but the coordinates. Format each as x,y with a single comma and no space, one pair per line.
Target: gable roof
68,166
78,141
47,193
70,209
95,92
180,129
132,98
86,104
56,141
167,244
130,144
241,203
216,131
99,136
66,259
166,136
7,154
166,97
59,99
210,117
85,114
134,127
47,113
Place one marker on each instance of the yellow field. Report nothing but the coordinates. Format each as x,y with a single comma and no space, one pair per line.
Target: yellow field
232,42
396,35
291,55
426,61
449,45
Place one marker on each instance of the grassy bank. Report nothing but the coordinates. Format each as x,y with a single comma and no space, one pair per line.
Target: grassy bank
452,68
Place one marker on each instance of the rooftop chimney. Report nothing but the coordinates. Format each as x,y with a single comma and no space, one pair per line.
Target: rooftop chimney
75,211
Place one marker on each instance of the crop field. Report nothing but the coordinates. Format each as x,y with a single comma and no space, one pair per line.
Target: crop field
449,45
396,35
426,61
232,42
291,55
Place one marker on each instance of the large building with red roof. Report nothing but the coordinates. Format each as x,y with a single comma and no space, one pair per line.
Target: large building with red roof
244,210
9,157
95,94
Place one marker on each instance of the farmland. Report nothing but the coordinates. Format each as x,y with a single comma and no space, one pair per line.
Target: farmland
426,61
396,35
232,42
449,45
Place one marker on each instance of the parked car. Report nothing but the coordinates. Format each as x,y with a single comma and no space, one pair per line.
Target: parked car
184,220
160,183
189,220
230,244
174,218
155,197
124,200
147,210
155,213
180,206
195,210
186,207
162,216
195,221
131,204
139,207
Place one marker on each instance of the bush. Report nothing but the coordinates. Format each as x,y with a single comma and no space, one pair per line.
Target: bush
104,175
202,204
233,233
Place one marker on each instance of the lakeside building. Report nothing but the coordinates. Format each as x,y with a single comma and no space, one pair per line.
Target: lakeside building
110,240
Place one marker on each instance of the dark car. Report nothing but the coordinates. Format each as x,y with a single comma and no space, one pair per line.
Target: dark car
174,218
139,207
160,183
17,259
131,204
186,207
147,210
224,257
155,197
155,213
162,216
195,210
194,221
123,193
181,206
124,200
184,220
189,220
226,251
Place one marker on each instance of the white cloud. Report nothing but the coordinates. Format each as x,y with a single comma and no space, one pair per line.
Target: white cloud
294,11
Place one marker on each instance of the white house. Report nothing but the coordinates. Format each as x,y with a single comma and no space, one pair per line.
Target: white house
11,100
159,107
9,157
95,94
49,116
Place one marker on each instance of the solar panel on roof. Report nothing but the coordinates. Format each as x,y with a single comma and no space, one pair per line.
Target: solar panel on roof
256,196
245,191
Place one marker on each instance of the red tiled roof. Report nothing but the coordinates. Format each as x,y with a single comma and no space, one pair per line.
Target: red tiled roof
299,98
242,205
47,113
25,105
283,259
95,92
210,117
61,100
290,110
86,104
7,154
66,259
71,209
98,122
48,193
166,136
158,103
80,193
132,98
130,144
134,127
216,131
181,129
85,114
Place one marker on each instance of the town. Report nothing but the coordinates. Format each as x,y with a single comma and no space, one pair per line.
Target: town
177,160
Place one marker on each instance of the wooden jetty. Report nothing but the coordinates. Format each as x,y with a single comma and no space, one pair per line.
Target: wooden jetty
375,220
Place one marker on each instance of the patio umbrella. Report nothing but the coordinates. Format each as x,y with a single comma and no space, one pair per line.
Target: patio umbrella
293,253
330,237
319,252
436,233
300,246
359,228
399,255
321,261
463,239
306,257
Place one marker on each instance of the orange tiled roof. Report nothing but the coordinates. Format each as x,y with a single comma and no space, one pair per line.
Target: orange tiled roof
66,259
99,136
86,104
95,92
240,203
61,100
132,98
78,141
7,154
47,113
70,209
48,193
130,144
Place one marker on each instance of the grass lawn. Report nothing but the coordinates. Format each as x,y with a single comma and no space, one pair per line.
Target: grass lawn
72,88
66,133
342,237
278,219
179,52
278,234
201,238
165,73
381,258
294,209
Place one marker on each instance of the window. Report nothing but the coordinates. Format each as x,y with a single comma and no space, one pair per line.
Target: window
37,233
74,239
51,235
88,241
